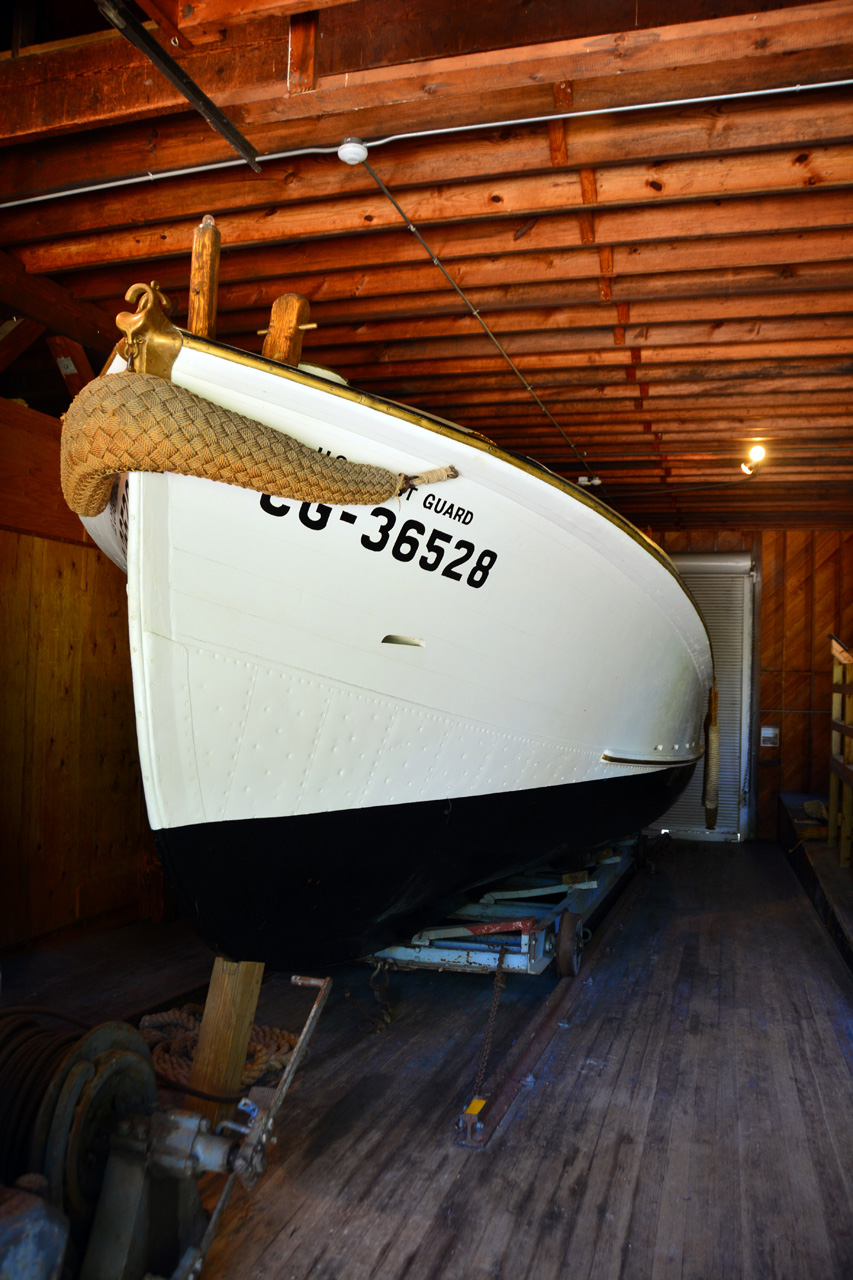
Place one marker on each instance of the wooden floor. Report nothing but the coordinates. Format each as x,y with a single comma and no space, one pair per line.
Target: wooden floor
121,974
693,1119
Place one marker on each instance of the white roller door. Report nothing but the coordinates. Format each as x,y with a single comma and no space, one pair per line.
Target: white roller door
723,587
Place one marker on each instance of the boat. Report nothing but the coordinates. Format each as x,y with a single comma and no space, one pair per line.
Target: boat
349,715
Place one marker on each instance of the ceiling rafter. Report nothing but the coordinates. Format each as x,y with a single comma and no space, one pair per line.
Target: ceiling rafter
674,283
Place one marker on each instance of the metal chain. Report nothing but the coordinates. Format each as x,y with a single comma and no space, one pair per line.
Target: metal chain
385,1016
500,983
379,981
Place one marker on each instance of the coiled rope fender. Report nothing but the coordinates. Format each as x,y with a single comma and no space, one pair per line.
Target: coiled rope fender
139,422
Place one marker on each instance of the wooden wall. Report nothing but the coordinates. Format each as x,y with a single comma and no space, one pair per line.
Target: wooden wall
73,832
806,592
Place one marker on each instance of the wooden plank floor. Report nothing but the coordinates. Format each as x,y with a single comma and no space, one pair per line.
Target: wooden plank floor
101,976
693,1119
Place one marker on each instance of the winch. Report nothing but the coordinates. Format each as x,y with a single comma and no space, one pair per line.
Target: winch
105,1178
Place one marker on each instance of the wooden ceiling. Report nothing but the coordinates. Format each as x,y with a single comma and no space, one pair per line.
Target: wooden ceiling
675,282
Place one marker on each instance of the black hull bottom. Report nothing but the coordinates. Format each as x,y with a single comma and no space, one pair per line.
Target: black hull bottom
312,891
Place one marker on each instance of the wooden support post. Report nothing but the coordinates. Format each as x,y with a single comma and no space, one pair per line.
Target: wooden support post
204,279
284,338
229,1012
846,788
835,750
840,827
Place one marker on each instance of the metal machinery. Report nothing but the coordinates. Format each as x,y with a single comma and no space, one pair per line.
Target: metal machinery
106,1181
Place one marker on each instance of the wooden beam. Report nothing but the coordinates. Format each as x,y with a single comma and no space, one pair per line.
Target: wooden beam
780,380
797,46
203,15
661,431
703,288
103,80
301,71
542,319
31,499
805,121
49,304
365,373
72,362
490,225
738,403
640,443
644,338
830,426
374,35
16,337
159,13
808,128
673,268
744,36
583,398
826,335
600,387
348,316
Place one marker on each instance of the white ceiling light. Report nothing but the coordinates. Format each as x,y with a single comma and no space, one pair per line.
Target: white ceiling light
352,151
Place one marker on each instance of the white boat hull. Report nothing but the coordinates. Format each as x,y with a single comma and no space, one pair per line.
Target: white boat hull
495,637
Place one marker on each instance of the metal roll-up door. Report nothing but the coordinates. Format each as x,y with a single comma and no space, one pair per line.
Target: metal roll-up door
723,586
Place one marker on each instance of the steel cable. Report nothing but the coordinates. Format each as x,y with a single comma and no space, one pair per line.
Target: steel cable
30,1056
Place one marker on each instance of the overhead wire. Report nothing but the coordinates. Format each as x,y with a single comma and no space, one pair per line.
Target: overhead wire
477,316
188,171
648,491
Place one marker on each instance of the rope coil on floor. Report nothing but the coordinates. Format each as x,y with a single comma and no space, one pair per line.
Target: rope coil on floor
172,1037
140,422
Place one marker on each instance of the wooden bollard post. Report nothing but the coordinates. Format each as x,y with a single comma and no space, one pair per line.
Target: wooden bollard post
204,279
284,336
226,1026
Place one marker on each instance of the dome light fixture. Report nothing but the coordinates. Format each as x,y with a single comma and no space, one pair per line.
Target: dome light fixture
757,455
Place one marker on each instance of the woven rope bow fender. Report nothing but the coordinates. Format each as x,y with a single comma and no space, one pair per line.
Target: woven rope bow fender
138,422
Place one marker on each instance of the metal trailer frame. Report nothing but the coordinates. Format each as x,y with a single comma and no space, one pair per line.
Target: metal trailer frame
503,926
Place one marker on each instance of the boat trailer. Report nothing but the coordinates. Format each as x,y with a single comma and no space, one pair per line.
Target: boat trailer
521,924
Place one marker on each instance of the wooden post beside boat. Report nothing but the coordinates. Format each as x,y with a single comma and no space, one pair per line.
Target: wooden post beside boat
204,279
288,318
226,1026
841,757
